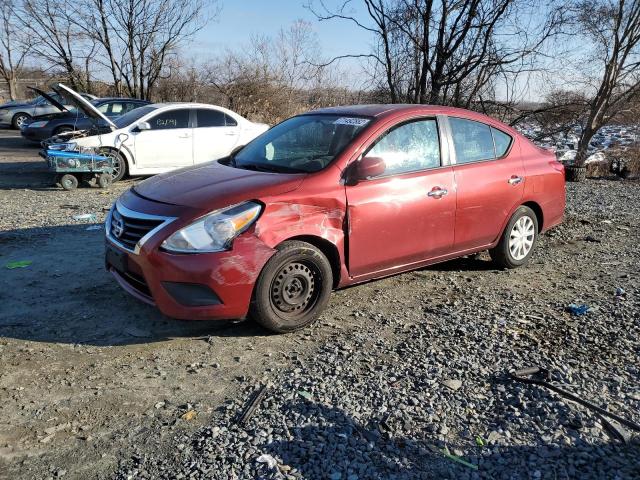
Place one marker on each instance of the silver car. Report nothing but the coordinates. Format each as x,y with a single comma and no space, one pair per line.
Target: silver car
17,114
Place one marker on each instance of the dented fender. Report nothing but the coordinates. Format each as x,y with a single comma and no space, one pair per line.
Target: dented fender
321,216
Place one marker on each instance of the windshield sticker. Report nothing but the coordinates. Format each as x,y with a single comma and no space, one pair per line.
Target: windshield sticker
358,122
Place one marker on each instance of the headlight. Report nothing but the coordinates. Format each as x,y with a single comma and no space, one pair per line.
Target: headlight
214,232
63,147
38,124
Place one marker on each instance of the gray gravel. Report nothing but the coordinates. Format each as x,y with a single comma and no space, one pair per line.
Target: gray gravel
418,371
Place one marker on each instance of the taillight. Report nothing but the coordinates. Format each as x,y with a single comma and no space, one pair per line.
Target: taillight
557,166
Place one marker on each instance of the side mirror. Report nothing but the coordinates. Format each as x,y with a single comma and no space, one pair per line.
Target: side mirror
141,126
369,167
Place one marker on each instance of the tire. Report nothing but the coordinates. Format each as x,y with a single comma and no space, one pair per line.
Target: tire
104,180
520,233
69,182
119,164
293,288
19,119
63,129
575,174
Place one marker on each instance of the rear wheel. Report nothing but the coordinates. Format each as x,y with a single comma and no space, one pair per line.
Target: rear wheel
293,288
518,239
19,119
104,180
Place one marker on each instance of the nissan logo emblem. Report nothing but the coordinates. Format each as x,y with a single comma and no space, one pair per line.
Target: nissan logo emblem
117,224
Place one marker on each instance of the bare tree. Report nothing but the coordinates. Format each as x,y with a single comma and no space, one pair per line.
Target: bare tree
449,51
272,77
138,38
56,40
14,47
613,27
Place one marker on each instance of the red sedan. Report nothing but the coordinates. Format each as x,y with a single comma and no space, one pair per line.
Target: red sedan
327,199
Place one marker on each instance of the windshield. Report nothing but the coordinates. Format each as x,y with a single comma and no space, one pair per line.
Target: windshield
133,116
307,143
96,103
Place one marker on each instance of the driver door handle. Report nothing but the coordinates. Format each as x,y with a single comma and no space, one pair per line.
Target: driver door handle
515,180
437,192
184,135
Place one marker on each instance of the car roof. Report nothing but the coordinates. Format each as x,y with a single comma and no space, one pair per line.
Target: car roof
120,99
377,110
188,104
390,109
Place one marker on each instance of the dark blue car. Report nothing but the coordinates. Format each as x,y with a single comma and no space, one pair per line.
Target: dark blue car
46,126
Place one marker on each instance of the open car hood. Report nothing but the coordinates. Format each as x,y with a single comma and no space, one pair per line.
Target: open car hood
49,99
85,106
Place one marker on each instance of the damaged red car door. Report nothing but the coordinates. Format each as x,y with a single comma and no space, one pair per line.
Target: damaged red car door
404,212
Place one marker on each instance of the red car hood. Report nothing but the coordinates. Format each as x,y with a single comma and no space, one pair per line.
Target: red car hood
211,185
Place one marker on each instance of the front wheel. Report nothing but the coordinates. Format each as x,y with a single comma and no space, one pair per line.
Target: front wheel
293,288
119,164
20,119
518,239
69,182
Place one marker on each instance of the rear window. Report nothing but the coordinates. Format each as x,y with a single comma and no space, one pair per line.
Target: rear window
502,142
209,118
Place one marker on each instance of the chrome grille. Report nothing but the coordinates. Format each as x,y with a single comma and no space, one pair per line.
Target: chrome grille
128,230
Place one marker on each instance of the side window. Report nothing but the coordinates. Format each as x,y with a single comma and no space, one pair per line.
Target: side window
170,119
116,109
409,147
209,118
472,140
129,106
229,121
104,108
502,141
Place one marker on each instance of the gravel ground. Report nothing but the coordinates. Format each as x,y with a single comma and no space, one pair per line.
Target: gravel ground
395,374
423,373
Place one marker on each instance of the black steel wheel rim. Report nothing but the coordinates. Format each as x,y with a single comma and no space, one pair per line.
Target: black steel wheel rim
295,289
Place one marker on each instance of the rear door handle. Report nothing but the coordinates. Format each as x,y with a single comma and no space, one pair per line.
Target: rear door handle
232,134
515,180
437,192
186,135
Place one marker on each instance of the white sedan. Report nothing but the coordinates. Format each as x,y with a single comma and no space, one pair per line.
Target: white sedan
160,137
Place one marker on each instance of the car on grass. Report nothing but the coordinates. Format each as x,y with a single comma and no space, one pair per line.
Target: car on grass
328,199
17,114
41,127
159,137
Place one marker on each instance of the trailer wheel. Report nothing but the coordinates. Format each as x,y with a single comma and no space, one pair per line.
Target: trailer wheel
104,180
69,182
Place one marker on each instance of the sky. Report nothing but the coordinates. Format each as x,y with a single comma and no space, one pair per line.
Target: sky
240,19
